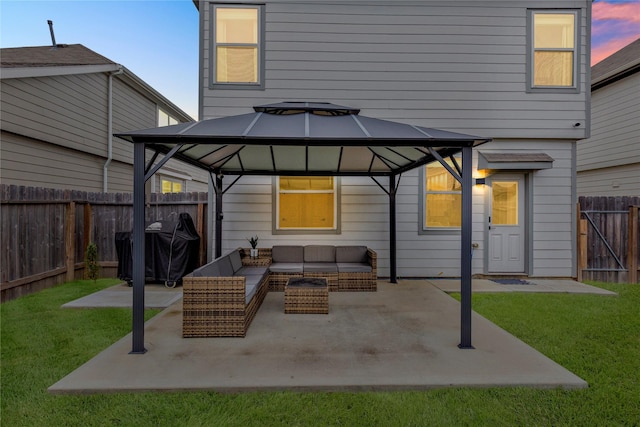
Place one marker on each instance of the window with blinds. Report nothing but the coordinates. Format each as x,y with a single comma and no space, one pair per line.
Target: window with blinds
236,45
554,49
442,197
306,203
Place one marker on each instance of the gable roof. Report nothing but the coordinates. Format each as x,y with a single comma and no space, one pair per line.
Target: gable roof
621,64
59,60
50,56
74,59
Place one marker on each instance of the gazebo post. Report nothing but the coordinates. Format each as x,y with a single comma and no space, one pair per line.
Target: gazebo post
465,250
211,201
392,229
138,242
219,216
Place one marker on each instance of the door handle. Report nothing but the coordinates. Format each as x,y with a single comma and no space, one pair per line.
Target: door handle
489,223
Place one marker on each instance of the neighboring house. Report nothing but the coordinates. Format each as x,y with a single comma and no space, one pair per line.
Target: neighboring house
514,71
609,161
60,105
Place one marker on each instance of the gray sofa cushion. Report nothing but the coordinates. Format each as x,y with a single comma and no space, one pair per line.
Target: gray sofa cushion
226,269
286,267
287,254
236,262
319,253
351,254
253,279
208,270
320,267
248,271
353,267
249,292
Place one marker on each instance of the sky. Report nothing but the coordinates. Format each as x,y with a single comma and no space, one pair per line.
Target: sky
158,39
615,24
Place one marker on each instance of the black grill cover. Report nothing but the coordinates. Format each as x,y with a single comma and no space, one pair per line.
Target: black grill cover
171,250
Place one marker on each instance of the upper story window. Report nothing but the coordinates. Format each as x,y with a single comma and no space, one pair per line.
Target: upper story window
553,57
442,197
237,46
164,119
307,203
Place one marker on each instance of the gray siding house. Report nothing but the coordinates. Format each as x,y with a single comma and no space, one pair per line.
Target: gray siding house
514,71
609,161
60,106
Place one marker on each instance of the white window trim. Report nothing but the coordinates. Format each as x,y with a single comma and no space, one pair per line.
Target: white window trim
324,230
422,212
213,84
531,88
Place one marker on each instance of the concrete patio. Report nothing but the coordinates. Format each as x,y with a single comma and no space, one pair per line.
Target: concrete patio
402,337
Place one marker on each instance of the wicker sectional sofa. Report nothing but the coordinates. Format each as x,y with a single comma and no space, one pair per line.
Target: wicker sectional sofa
222,297
346,268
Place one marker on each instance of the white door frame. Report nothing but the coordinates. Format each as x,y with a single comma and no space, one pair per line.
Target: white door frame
523,213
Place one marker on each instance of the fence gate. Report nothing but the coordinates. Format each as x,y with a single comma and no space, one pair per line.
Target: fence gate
608,238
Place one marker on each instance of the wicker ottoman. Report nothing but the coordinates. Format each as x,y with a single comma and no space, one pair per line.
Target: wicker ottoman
306,295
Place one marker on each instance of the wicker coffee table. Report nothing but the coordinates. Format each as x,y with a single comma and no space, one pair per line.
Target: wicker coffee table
306,295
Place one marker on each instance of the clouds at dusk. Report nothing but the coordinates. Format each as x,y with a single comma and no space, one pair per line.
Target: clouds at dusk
615,24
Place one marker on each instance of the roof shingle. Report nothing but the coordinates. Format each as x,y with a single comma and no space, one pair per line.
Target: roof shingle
49,56
625,57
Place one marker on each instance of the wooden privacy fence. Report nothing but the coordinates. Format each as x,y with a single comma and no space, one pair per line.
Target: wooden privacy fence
608,237
45,232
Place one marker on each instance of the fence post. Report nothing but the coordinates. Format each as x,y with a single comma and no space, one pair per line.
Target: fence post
88,226
582,248
580,245
200,230
70,241
632,242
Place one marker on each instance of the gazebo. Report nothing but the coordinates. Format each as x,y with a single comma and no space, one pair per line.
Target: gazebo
300,139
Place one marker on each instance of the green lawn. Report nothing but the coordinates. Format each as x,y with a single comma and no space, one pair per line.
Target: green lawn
596,337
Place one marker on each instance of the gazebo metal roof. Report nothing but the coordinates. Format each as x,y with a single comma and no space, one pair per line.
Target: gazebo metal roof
300,138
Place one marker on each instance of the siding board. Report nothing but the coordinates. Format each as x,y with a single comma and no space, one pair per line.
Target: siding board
433,49
615,128
55,132
459,66
608,162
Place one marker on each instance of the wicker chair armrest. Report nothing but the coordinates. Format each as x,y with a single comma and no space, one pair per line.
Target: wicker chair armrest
373,260
225,289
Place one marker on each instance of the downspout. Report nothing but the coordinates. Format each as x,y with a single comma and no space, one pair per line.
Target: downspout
105,168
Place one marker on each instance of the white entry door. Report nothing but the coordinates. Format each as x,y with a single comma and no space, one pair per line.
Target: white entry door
506,225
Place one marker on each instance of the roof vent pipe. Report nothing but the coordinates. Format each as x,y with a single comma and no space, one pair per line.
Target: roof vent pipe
53,36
